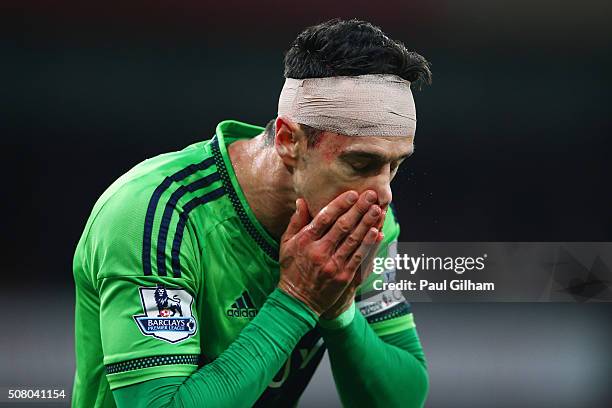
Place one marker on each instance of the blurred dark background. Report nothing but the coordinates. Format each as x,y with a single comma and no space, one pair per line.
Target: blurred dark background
512,141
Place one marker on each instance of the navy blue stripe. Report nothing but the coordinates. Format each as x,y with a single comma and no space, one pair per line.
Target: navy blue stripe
150,216
145,362
180,228
167,217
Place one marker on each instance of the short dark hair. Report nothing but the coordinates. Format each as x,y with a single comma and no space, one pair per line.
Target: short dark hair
348,47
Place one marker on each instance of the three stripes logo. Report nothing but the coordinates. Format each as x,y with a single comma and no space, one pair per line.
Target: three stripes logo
242,307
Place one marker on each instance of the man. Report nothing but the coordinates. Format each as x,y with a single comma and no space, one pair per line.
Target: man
218,275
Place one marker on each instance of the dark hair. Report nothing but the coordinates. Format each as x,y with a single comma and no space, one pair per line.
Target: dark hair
348,47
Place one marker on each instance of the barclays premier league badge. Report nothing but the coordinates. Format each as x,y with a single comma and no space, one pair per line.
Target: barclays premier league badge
167,314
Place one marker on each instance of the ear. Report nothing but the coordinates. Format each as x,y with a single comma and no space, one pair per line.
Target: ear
286,141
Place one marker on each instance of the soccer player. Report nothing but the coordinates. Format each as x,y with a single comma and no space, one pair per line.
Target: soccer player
217,276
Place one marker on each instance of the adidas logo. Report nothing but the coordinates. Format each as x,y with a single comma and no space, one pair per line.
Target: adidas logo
242,307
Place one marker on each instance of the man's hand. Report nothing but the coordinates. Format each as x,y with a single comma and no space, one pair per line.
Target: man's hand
363,272
319,258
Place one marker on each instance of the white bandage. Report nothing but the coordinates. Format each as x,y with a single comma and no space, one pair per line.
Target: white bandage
363,105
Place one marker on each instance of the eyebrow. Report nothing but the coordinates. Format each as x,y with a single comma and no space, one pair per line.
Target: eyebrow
362,154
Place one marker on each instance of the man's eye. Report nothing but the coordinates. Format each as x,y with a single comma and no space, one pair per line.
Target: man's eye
359,166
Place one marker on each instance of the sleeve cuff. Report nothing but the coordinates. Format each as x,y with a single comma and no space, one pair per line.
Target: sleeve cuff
341,321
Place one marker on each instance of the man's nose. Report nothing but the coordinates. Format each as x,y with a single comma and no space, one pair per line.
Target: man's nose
384,195
381,185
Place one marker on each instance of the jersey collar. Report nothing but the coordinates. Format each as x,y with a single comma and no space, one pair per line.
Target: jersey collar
227,132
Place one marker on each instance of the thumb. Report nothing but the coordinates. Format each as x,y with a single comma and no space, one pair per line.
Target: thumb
299,220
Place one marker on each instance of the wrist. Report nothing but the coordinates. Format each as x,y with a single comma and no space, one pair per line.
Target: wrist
294,303
292,291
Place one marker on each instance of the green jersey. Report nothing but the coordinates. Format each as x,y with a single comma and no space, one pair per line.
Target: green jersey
172,265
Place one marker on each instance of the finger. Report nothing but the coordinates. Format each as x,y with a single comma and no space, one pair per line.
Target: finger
330,213
354,240
299,220
347,222
381,221
367,266
364,249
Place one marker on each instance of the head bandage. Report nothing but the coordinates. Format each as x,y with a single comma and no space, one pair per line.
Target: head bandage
363,105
